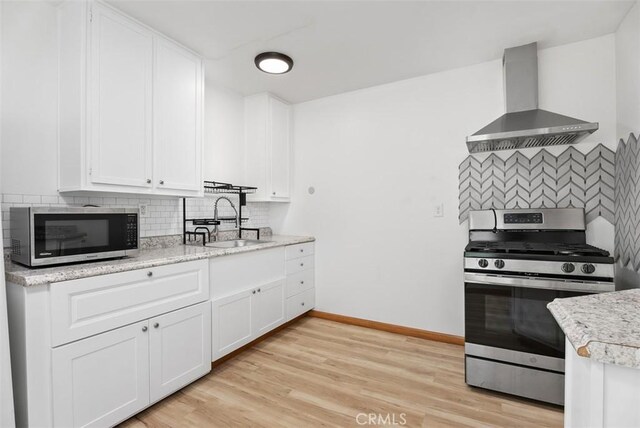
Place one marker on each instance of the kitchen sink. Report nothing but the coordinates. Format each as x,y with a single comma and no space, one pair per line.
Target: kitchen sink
234,243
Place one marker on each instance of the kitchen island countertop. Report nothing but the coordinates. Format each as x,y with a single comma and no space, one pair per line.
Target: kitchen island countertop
604,327
146,259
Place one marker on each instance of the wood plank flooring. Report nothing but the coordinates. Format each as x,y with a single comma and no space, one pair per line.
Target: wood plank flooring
322,373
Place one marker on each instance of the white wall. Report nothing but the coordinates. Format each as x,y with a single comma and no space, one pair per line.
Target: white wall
380,159
628,74
628,104
29,99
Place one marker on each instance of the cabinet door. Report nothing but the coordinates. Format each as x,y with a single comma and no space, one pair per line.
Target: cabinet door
232,322
270,307
179,349
280,148
178,94
120,100
101,380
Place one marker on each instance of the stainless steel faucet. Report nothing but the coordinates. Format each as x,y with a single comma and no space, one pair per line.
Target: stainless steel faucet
214,235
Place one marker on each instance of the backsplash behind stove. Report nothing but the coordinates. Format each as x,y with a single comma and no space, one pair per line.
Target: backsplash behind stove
164,214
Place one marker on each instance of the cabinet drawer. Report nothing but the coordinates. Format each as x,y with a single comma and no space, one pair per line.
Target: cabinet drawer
84,307
300,303
301,281
298,265
299,250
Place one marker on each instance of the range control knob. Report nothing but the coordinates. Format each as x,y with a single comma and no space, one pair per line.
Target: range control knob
483,263
588,268
499,263
568,267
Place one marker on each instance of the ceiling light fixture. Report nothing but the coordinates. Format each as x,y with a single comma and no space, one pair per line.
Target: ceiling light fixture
274,62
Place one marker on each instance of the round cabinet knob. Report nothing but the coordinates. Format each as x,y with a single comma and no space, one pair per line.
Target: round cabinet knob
302,303
483,263
149,274
161,181
568,267
499,264
254,292
274,193
301,264
156,325
258,290
301,250
588,268
144,328
301,282
148,181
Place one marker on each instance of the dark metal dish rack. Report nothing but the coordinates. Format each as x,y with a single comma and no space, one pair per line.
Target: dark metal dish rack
202,230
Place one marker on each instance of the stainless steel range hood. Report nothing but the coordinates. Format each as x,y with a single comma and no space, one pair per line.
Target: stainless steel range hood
525,125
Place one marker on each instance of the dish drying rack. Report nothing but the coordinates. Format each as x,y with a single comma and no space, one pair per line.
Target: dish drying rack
202,229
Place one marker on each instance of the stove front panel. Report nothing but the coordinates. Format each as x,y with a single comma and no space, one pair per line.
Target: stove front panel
567,268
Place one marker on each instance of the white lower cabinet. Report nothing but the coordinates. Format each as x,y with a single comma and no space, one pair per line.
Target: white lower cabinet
104,379
269,308
179,349
101,380
232,322
300,290
242,317
256,292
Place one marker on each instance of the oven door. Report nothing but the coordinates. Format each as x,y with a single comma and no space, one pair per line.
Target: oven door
506,318
71,236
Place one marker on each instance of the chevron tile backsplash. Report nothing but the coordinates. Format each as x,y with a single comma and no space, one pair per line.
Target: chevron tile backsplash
571,179
627,198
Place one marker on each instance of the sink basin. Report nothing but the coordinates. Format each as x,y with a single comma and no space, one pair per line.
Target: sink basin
234,243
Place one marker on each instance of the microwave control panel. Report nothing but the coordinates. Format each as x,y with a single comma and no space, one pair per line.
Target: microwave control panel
132,231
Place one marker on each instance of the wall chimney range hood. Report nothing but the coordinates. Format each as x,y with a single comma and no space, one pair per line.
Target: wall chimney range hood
525,125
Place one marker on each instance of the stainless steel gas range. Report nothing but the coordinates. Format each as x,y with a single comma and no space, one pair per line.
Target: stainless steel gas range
516,262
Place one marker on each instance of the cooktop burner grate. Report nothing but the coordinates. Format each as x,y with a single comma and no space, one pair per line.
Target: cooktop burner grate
540,248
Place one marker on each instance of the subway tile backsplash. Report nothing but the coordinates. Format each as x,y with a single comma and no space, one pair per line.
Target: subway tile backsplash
164,215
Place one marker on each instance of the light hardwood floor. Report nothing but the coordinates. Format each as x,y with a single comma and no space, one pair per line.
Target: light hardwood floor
323,373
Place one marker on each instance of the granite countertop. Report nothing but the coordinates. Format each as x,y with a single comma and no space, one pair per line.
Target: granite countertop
147,258
604,327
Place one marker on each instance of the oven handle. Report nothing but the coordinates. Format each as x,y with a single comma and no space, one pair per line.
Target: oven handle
543,283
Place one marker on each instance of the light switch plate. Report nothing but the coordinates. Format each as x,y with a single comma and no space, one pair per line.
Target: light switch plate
438,210
144,210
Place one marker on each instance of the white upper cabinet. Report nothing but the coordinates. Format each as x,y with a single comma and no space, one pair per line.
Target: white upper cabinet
131,105
120,95
177,118
268,147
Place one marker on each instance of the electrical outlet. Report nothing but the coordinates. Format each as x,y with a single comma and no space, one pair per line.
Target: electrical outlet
144,210
438,210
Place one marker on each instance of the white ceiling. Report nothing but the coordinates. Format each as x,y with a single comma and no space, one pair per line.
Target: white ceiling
339,46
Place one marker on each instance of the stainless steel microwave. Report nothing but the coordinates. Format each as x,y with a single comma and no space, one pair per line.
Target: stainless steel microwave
44,236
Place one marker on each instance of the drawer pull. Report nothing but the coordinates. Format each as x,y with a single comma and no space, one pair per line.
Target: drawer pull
301,282
302,303
161,181
148,181
156,325
149,274
144,328
302,250
301,264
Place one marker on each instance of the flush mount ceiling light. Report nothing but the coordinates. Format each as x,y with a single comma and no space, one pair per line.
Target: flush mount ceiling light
274,62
